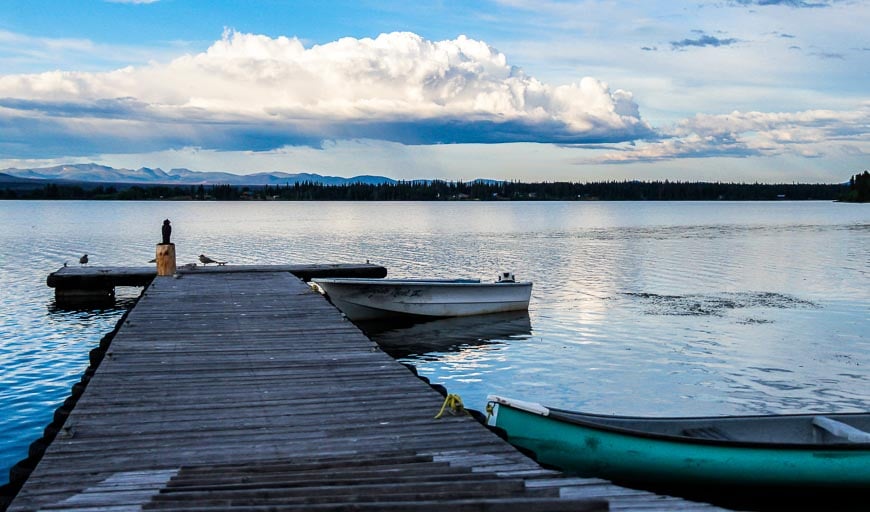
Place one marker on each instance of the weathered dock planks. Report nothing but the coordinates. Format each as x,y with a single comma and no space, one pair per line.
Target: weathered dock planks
249,391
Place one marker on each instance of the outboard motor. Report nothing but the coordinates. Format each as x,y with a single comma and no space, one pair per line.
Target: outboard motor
506,277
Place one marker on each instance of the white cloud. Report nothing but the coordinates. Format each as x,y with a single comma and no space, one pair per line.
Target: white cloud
397,87
810,134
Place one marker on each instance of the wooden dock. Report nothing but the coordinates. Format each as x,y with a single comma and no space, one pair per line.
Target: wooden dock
229,390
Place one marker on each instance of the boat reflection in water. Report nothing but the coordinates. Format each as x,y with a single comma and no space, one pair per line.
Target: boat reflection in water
403,338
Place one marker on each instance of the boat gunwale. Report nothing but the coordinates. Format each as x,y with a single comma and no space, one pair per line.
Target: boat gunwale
432,303
594,422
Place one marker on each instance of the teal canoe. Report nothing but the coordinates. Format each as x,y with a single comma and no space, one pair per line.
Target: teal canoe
800,452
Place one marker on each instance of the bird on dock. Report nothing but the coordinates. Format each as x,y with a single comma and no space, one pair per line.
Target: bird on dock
84,260
205,260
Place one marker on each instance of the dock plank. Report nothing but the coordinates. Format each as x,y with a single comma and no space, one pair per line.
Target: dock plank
249,391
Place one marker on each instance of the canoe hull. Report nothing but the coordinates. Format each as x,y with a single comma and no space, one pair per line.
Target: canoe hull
617,456
369,299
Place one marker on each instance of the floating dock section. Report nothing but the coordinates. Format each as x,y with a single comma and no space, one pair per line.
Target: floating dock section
227,390
88,284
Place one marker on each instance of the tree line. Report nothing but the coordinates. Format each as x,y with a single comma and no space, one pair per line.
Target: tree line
438,190
859,188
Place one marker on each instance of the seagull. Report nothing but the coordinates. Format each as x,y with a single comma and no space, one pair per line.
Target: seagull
84,260
205,260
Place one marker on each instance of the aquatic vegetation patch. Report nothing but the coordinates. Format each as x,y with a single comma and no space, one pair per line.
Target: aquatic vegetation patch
717,304
751,321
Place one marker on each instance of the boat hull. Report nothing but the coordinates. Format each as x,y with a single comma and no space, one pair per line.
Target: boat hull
369,299
618,456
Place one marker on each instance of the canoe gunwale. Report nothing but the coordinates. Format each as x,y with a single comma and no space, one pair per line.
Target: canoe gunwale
600,422
588,421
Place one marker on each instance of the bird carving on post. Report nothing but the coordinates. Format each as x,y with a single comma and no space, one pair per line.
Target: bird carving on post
166,231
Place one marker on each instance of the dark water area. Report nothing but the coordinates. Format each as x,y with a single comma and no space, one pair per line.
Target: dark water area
684,308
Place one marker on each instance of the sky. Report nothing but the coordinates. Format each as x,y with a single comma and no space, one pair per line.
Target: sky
770,91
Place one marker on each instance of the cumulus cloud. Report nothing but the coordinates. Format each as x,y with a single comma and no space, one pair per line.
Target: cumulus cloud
257,92
742,134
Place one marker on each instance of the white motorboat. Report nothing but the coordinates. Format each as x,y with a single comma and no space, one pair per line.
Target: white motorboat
367,299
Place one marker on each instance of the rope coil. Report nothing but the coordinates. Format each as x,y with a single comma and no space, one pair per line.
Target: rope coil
455,406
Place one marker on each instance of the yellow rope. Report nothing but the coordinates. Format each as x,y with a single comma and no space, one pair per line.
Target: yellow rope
454,403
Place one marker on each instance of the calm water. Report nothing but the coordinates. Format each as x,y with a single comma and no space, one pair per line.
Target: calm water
637,308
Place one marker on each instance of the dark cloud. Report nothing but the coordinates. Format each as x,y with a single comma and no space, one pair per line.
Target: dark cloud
118,108
461,131
704,40
42,129
829,55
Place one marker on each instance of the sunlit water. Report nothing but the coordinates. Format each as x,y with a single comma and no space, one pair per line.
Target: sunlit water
637,308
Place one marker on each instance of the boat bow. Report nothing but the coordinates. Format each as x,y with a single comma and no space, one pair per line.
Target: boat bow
532,407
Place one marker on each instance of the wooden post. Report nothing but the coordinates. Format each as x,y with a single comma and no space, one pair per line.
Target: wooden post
165,259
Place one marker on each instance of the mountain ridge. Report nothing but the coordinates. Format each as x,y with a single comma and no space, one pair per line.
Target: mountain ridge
96,173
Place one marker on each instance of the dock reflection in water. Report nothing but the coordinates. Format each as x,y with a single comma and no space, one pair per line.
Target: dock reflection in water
404,338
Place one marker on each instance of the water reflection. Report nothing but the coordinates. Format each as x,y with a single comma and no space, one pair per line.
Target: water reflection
90,306
402,339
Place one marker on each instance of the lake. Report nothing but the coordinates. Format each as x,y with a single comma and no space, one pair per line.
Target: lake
658,308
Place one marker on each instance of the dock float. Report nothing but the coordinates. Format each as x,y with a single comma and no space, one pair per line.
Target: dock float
94,283
227,390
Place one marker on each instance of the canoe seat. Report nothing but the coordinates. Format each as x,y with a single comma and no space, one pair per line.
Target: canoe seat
707,433
841,430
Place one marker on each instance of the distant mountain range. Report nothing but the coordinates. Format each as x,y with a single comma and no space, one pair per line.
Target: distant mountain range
93,173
